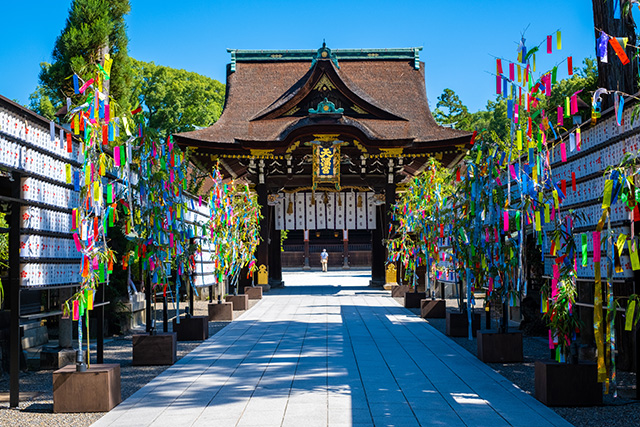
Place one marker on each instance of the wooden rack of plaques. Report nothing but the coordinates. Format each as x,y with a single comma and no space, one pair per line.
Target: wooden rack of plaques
602,145
40,175
197,215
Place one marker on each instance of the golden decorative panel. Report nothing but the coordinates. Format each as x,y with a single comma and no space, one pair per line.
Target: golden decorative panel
292,111
359,110
263,275
324,84
391,277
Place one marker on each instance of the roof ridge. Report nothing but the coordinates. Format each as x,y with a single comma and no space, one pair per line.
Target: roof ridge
285,55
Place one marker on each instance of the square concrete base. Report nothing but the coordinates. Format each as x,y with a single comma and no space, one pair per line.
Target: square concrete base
220,312
240,302
433,308
412,299
500,348
159,349
96,390
399,291
458,324
254,293
563,384
56,358
194,328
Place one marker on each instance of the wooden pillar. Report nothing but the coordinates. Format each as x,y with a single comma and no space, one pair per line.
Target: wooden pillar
379,254
345,250
306,265
148,300
275,250
262,252
244,280
100,293
378,250
13,301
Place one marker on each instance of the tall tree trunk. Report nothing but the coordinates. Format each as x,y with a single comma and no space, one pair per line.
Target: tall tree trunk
613,75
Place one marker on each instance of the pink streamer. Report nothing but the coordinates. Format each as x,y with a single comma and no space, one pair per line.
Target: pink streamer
76,239
574,104
560,116
86,85
596,246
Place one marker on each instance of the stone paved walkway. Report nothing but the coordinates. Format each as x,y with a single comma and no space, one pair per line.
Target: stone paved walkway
328,351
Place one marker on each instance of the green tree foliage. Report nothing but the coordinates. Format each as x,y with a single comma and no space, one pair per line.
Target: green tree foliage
177,100
90,26
40,102
450,110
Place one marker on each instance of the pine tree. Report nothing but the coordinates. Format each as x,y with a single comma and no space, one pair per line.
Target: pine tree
91,24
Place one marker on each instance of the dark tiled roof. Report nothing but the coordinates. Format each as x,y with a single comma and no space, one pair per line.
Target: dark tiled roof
257,88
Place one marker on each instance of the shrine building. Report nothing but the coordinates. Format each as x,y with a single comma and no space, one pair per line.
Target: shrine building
328,137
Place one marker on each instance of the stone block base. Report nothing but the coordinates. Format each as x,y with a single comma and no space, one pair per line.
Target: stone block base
500,348
220,312
159,349
56,358
433,308
412,299
240,302
399,291
96,390
194,328
253,293
458,324
563,384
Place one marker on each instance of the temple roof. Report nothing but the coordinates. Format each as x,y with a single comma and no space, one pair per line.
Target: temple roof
380,93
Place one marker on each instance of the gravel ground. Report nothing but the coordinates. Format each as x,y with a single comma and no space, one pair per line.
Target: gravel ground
622,411
36,388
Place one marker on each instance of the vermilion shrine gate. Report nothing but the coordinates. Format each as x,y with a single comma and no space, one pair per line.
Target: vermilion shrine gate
326,137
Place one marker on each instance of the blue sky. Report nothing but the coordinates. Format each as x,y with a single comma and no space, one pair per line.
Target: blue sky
458,36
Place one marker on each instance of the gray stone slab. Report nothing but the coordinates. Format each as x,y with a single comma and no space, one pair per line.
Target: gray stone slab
330,355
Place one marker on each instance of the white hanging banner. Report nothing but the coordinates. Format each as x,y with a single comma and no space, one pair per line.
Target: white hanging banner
326,211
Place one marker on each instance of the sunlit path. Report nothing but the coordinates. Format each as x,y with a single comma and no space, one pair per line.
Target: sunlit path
333,355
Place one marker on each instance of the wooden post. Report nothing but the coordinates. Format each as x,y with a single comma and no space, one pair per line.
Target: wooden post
100,326
15,346
306,265
275,251
165,314
262,254
147,296
345,250
378,251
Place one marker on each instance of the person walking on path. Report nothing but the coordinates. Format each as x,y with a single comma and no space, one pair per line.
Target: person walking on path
324,259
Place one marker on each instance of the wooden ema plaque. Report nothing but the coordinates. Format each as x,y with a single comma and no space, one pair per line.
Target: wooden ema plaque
96,390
